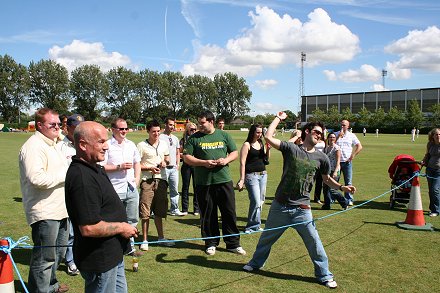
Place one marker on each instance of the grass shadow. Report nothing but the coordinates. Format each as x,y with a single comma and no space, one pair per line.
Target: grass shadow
17,199
385,206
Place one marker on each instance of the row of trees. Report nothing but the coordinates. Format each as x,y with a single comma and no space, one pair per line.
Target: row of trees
394,120
135,96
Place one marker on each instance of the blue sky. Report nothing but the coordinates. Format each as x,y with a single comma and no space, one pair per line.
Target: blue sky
347,42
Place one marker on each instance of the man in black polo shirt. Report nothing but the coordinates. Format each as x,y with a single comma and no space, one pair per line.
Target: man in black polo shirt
97,214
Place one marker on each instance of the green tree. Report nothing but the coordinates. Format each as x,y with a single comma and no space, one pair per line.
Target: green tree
333,117
435,117
414,115
200,93
233,96
123,99
172,92
14,86
394,118
49,85
148,89
319,115
348,115
377,118
88,87
363,117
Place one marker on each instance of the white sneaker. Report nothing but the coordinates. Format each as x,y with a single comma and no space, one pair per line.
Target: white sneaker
330,284
178,213
144,246
72,270
248,268
238,250
165,242
210,250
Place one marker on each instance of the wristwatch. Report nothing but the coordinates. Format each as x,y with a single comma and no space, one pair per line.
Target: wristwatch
118,167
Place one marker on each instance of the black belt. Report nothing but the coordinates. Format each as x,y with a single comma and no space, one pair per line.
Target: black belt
257,173
170,167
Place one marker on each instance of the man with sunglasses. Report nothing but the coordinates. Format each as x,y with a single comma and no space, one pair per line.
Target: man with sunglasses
172,170
122,165
291,206
42,173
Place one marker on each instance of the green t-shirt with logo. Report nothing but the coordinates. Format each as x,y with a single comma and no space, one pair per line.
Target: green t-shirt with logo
210,147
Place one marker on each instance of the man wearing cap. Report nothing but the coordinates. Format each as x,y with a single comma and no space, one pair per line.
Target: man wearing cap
42,174
68,149
122,165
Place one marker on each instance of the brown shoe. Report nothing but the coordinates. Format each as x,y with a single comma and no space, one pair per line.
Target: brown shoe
62,288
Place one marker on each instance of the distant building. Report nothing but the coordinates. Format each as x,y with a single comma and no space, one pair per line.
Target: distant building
370,100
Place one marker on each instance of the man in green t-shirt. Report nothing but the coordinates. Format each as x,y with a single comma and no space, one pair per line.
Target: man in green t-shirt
210,151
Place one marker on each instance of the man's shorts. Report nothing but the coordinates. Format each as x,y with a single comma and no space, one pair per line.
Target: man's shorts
154,198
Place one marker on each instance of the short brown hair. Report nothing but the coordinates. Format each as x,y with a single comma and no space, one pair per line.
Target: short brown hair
40,113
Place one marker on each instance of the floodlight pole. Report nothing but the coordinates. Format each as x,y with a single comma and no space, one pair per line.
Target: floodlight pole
384,73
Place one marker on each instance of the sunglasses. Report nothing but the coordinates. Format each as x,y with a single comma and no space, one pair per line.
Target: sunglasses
170,140
54,125
192,129
317,132
122,129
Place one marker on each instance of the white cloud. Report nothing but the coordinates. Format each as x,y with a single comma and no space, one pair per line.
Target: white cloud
266,106
379,87
323,40
418,50
396,73
266,83
365,73
80,53
191,15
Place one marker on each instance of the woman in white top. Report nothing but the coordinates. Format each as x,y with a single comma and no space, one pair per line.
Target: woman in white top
333,151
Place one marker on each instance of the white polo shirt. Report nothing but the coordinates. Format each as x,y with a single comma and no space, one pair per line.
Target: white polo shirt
346,143
152,156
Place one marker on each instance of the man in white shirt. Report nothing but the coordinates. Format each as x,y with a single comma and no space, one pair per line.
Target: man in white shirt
68,149
172,170
350,147
122,165
42,174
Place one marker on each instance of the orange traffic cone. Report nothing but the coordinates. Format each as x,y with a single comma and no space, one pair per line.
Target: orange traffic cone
6,271
415,219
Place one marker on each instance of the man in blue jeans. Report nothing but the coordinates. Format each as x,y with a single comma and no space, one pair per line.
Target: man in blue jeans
292,198
98,216
42,172
350,147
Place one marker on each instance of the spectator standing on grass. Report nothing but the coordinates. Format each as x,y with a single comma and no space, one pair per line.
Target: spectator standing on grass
187,172
42,173
210,151
221,123
377,132
122,165
98,215
68,149
432,163
154,158
292,198
364,131
350,147
172,170
413,134
333,152
253,175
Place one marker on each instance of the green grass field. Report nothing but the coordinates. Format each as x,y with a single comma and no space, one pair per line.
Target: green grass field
367,252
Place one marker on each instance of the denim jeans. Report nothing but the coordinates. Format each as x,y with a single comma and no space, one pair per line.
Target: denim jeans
187,171
69,248
256,187
434,189
45,260
173,183
330,193
111,281
347,171
282,215
130,199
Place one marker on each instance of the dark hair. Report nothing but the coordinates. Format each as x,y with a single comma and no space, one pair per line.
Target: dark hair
309,126
169,119
208,115
152,123
115,121
220,119
252,131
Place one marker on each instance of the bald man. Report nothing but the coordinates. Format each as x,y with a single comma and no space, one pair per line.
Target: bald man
98,216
